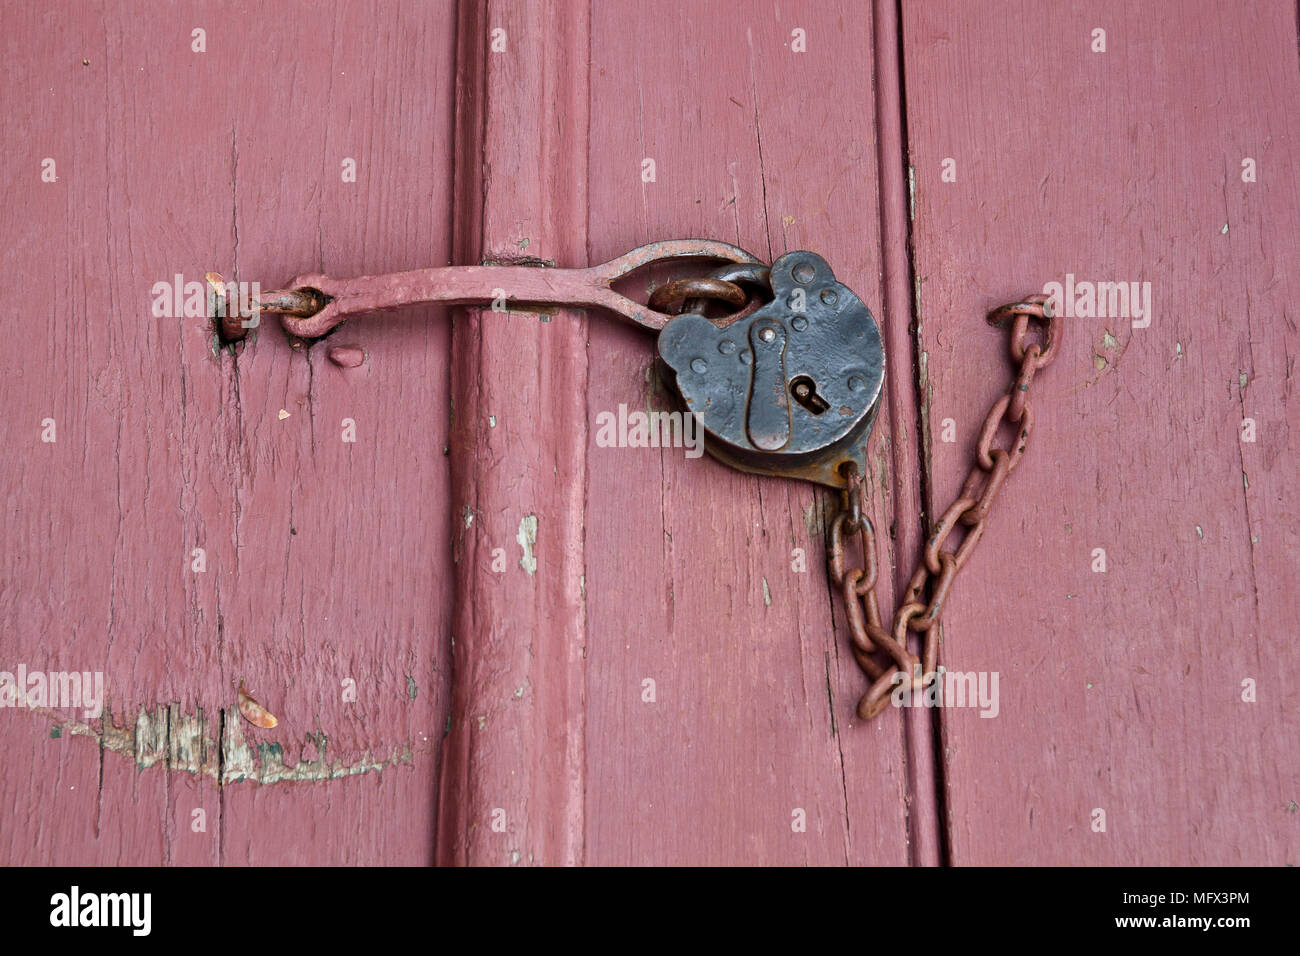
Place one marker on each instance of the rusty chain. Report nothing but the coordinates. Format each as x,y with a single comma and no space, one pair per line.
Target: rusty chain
938,567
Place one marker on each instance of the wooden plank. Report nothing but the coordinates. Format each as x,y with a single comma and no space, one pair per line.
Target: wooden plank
343,563
514,770
690,581
74,510
326,560
1120,691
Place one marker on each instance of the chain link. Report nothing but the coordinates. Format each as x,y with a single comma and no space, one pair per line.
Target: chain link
968,512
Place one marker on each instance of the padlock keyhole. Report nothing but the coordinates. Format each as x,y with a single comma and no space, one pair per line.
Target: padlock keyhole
804,390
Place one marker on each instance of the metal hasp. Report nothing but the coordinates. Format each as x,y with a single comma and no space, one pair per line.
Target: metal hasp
792,389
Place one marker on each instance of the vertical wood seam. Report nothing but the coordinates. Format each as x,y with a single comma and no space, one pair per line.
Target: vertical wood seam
925,828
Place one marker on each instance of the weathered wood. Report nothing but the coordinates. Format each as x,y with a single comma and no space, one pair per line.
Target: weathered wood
923,818
326,560
332,561
1120,691
514,770
689,573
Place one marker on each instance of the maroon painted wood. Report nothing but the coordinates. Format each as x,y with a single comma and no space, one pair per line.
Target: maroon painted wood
326,561
515,764
690,582
1121,690
571,653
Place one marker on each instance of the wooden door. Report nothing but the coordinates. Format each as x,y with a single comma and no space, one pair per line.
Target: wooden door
490,639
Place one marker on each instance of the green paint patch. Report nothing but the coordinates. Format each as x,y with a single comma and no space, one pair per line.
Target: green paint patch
56,732
273,749
411,690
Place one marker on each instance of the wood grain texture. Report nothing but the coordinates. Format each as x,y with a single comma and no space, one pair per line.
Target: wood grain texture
514,771
326,561
1120,691
689,564
476,534
925,836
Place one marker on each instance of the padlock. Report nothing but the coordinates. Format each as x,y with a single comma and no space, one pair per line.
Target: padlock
791,389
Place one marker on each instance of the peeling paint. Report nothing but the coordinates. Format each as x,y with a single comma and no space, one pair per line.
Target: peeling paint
814,519
240,762
767,593
272,769
151,744
185,742
1107,353
186,748
917,281
927,396
527,539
